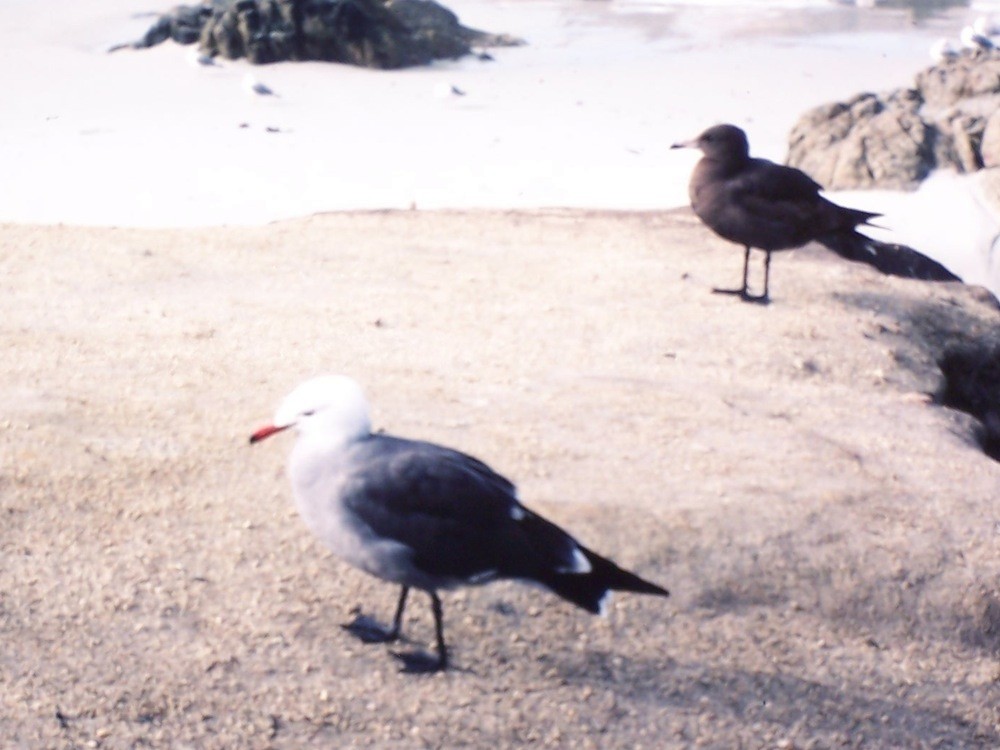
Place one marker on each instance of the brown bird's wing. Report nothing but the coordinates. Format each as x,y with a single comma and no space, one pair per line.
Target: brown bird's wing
772,207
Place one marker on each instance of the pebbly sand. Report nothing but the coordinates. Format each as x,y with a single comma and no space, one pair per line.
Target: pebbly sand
829,536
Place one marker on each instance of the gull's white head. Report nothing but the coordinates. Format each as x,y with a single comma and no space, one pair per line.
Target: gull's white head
329,407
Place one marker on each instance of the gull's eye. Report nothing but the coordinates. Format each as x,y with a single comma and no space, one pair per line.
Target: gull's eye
308,413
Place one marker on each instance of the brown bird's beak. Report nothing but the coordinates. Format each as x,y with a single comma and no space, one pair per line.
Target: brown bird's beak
266,432
686,144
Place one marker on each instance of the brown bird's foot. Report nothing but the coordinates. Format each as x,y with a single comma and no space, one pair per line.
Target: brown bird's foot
736,292
743,294
421,662
757,299
367,630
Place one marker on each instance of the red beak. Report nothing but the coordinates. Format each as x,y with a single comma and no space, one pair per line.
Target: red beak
265,432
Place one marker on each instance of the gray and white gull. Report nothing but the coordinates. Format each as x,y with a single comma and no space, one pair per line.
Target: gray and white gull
422,515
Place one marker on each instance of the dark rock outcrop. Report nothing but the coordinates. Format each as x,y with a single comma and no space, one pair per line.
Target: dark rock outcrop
183,24
371,33
972,384
950,119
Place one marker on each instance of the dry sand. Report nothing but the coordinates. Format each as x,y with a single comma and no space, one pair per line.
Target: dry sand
830,537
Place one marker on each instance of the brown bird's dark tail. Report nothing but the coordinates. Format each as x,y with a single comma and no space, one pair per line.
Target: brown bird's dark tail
890,259
857,217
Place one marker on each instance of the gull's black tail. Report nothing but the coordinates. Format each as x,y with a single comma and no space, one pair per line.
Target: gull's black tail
589,590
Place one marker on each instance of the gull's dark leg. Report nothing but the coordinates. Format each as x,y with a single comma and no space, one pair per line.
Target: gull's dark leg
368,630
742,291
420,662
762,299
397,620
439,630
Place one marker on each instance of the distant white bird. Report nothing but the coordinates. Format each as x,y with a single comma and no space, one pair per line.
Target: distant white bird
446,90
201,59
252,86
943,50
986,26
974,41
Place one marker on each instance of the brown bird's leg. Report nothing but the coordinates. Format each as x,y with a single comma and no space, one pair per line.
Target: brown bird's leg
761,299
742,291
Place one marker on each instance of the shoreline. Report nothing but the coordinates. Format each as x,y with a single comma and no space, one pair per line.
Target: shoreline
583,115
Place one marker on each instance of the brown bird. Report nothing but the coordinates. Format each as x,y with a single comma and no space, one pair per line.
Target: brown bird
757,203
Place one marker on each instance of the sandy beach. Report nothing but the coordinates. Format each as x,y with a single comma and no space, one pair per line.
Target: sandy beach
829,537
506,272
581,116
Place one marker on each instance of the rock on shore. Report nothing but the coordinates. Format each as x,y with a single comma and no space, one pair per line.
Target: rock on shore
950,118
370,33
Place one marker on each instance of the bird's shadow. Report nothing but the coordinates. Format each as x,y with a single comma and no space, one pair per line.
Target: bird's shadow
748,697
417,661
369,630
414,661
